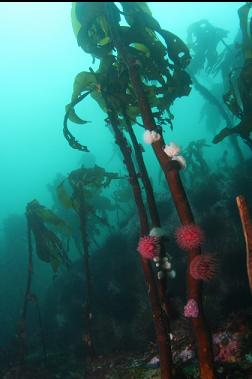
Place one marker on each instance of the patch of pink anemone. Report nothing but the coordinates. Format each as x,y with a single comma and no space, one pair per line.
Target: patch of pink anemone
148,247
189,236
203,267
191,310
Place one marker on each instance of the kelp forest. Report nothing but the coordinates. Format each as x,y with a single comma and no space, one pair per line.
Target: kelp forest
144,270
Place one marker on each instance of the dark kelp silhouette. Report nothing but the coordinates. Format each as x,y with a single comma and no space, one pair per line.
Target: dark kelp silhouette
86,184
142,78
211,54
203,39
49,248
239,99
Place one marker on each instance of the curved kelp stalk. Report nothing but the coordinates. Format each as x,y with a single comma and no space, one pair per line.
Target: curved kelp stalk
246,221
170,168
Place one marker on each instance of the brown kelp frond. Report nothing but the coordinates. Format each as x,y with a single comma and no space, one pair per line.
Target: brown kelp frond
139,17
63,196
68,135
49,247
93,179
84,82
162,62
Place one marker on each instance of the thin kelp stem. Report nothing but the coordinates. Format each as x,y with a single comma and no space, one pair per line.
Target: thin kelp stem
22,333
153,211
143,173
158,314
42,334
82,213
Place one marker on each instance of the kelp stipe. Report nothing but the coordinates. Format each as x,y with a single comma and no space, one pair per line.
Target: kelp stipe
202,335
85,184
246,221
132,97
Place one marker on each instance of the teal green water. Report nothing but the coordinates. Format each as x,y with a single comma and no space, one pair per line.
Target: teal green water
40,59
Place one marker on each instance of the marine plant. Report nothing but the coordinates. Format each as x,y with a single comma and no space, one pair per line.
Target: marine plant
86,185
142,79
204,41
50,249
238,98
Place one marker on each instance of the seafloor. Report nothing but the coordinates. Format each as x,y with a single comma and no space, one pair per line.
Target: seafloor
233,354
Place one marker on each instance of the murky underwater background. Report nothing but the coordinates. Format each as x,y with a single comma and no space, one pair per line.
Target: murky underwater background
40,59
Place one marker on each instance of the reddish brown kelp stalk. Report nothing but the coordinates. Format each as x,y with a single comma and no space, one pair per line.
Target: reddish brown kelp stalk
170,168
159,317
153,211
247,231
202,335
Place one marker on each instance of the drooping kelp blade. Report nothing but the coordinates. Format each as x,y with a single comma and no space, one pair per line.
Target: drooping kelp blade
84,81
68,135
45,215
49,247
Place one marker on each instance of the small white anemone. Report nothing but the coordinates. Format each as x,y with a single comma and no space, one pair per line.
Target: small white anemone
150,136
157,232
172,274
166,266
172,149
181,160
